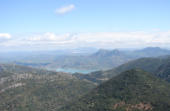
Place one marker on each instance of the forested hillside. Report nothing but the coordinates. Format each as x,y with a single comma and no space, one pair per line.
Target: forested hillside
158,66
133,90
28,89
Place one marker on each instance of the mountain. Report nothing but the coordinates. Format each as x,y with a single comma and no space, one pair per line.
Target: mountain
158,66
151,52
133,90
80,59
107,53
101,60
28,89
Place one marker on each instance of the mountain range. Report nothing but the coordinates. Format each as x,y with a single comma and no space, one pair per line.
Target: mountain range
158,66
101,60
138,85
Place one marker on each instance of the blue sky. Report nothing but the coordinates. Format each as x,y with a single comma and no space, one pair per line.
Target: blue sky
61,17
20,16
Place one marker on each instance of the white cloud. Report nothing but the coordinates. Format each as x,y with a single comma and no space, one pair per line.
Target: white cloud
98,40
5,36
65,9
49,36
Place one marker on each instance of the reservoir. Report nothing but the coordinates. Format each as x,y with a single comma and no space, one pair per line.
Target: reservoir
70,70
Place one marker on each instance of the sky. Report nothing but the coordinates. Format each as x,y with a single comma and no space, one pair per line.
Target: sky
62,24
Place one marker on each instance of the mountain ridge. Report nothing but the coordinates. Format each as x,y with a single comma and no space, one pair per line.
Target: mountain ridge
149,64
126,92
100,60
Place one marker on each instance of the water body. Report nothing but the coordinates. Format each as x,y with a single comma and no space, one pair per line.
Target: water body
74,70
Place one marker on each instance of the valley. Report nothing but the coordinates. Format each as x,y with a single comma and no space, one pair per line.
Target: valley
83,62
84,55
139,84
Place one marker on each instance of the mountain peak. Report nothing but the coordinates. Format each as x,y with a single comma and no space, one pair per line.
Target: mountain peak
152,48
104,52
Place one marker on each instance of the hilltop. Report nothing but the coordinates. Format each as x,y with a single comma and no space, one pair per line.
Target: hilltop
133,90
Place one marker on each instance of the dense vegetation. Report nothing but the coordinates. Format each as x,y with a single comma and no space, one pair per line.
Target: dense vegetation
133,90
28,89
164,71
158,66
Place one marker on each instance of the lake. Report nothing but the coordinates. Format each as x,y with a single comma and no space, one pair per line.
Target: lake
74,70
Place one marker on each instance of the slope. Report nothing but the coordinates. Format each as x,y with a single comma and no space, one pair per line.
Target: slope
133,90
152,65
28,89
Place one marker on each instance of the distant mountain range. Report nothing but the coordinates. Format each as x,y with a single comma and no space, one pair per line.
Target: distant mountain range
151,52
102,59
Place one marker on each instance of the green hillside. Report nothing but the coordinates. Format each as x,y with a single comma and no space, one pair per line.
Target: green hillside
28,89
158,66
133,90
164,71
